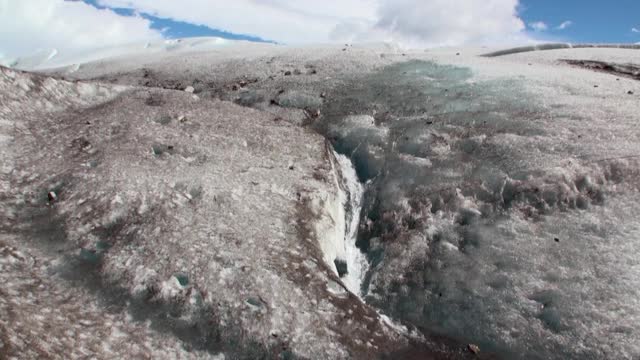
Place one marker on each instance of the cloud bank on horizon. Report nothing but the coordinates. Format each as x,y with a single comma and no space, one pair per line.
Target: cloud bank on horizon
413,22
29,25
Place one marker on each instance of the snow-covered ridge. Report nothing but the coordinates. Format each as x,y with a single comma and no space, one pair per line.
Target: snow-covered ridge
54,58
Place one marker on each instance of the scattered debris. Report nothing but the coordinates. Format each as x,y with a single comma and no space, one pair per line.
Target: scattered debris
52,196
81,144
630,92
287,73
312,113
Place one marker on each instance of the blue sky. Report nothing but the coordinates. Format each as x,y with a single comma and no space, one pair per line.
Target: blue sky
592,20
173,29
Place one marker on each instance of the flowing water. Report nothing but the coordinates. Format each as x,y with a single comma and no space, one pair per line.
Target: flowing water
354,258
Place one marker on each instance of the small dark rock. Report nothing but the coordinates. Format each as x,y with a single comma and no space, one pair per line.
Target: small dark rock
52,196
287,73
630,92
556,239
341,267
457,54
314,113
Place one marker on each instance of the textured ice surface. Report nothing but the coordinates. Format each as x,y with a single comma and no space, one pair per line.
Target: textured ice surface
480,223
499,206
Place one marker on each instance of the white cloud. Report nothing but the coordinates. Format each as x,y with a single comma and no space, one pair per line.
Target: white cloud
30,25
419,22
635,30
564,25
538,26
27,26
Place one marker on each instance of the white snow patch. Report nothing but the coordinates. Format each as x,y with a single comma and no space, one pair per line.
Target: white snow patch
73,59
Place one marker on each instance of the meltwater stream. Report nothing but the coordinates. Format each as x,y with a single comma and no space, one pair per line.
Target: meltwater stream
350,262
